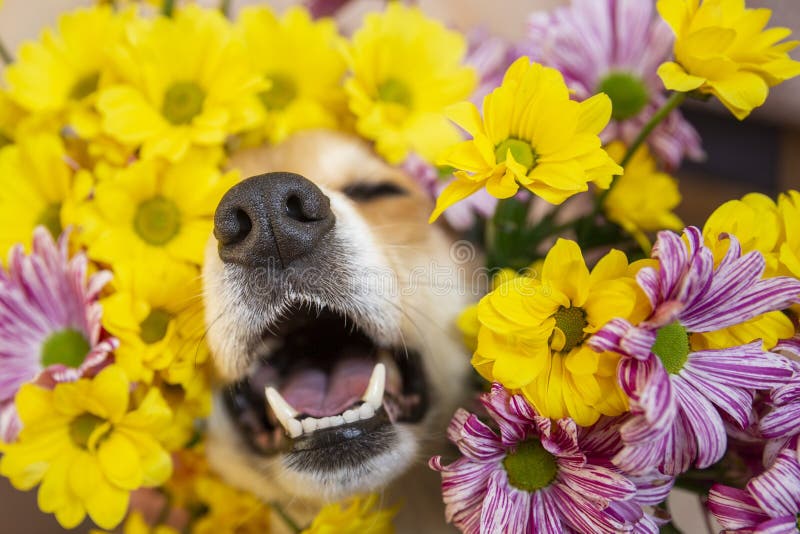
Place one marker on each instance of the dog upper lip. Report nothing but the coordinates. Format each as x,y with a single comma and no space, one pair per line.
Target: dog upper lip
295,425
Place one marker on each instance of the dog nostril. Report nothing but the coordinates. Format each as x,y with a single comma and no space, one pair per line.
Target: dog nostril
240,229
294,209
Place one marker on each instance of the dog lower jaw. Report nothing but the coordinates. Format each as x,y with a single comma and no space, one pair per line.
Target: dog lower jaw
273,479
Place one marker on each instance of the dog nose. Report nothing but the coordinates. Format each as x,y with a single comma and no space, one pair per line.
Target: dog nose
275,217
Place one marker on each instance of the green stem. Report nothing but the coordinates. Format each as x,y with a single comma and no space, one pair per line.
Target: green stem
5,55
168,8
225,7
675,100
293,526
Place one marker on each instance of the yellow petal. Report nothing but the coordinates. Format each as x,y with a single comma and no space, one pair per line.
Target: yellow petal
675,13
467,116
84,475
741,93
109,396
595,114
119,460
107,505
565,268
457,190
676,78
503,186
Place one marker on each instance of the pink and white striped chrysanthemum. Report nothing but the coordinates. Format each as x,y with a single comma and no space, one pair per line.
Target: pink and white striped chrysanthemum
781,421
677,394
615,46
769,504
50,327
539,475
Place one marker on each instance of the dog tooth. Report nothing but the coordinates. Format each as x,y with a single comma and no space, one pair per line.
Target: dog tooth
310,424
294,427
350,416
325,422
374,393
337,420
282,409
365,411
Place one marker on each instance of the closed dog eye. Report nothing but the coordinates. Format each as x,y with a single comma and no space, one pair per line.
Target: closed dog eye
366,191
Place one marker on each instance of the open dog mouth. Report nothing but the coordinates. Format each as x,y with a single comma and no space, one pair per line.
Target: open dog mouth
324,386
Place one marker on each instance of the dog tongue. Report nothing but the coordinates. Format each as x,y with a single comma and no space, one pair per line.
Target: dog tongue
316,393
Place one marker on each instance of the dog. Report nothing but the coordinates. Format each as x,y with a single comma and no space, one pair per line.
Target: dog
331,306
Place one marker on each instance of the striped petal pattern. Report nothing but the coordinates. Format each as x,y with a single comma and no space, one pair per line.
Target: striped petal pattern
770,503
675,416
587,493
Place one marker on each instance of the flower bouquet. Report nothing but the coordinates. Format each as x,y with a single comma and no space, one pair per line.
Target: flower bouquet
618,354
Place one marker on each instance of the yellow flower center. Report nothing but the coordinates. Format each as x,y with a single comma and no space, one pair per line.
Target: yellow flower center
627,92
280,95
82,427
530,467
157,220
50,218
571,322
672,346
522,151
183,102
85,86
154,326
66,347
395,91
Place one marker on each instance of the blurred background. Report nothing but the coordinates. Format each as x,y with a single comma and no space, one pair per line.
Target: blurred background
761,154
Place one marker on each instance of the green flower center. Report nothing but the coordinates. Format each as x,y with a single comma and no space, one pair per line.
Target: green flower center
627,92
67,347
395,91
85,86
280,95
183,101
530,467
672,346
571,322
50,218
154,326
521,150
157,220
82,427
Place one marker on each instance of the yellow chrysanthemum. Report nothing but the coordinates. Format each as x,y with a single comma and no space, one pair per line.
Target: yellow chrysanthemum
533,332
38,187
229,510
532,135
185,81
301,60
722,48
643,198
156,312
61,73
87,448
359,515
149,209
406,69
756,222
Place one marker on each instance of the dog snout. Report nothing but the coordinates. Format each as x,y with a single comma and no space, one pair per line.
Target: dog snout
271,219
